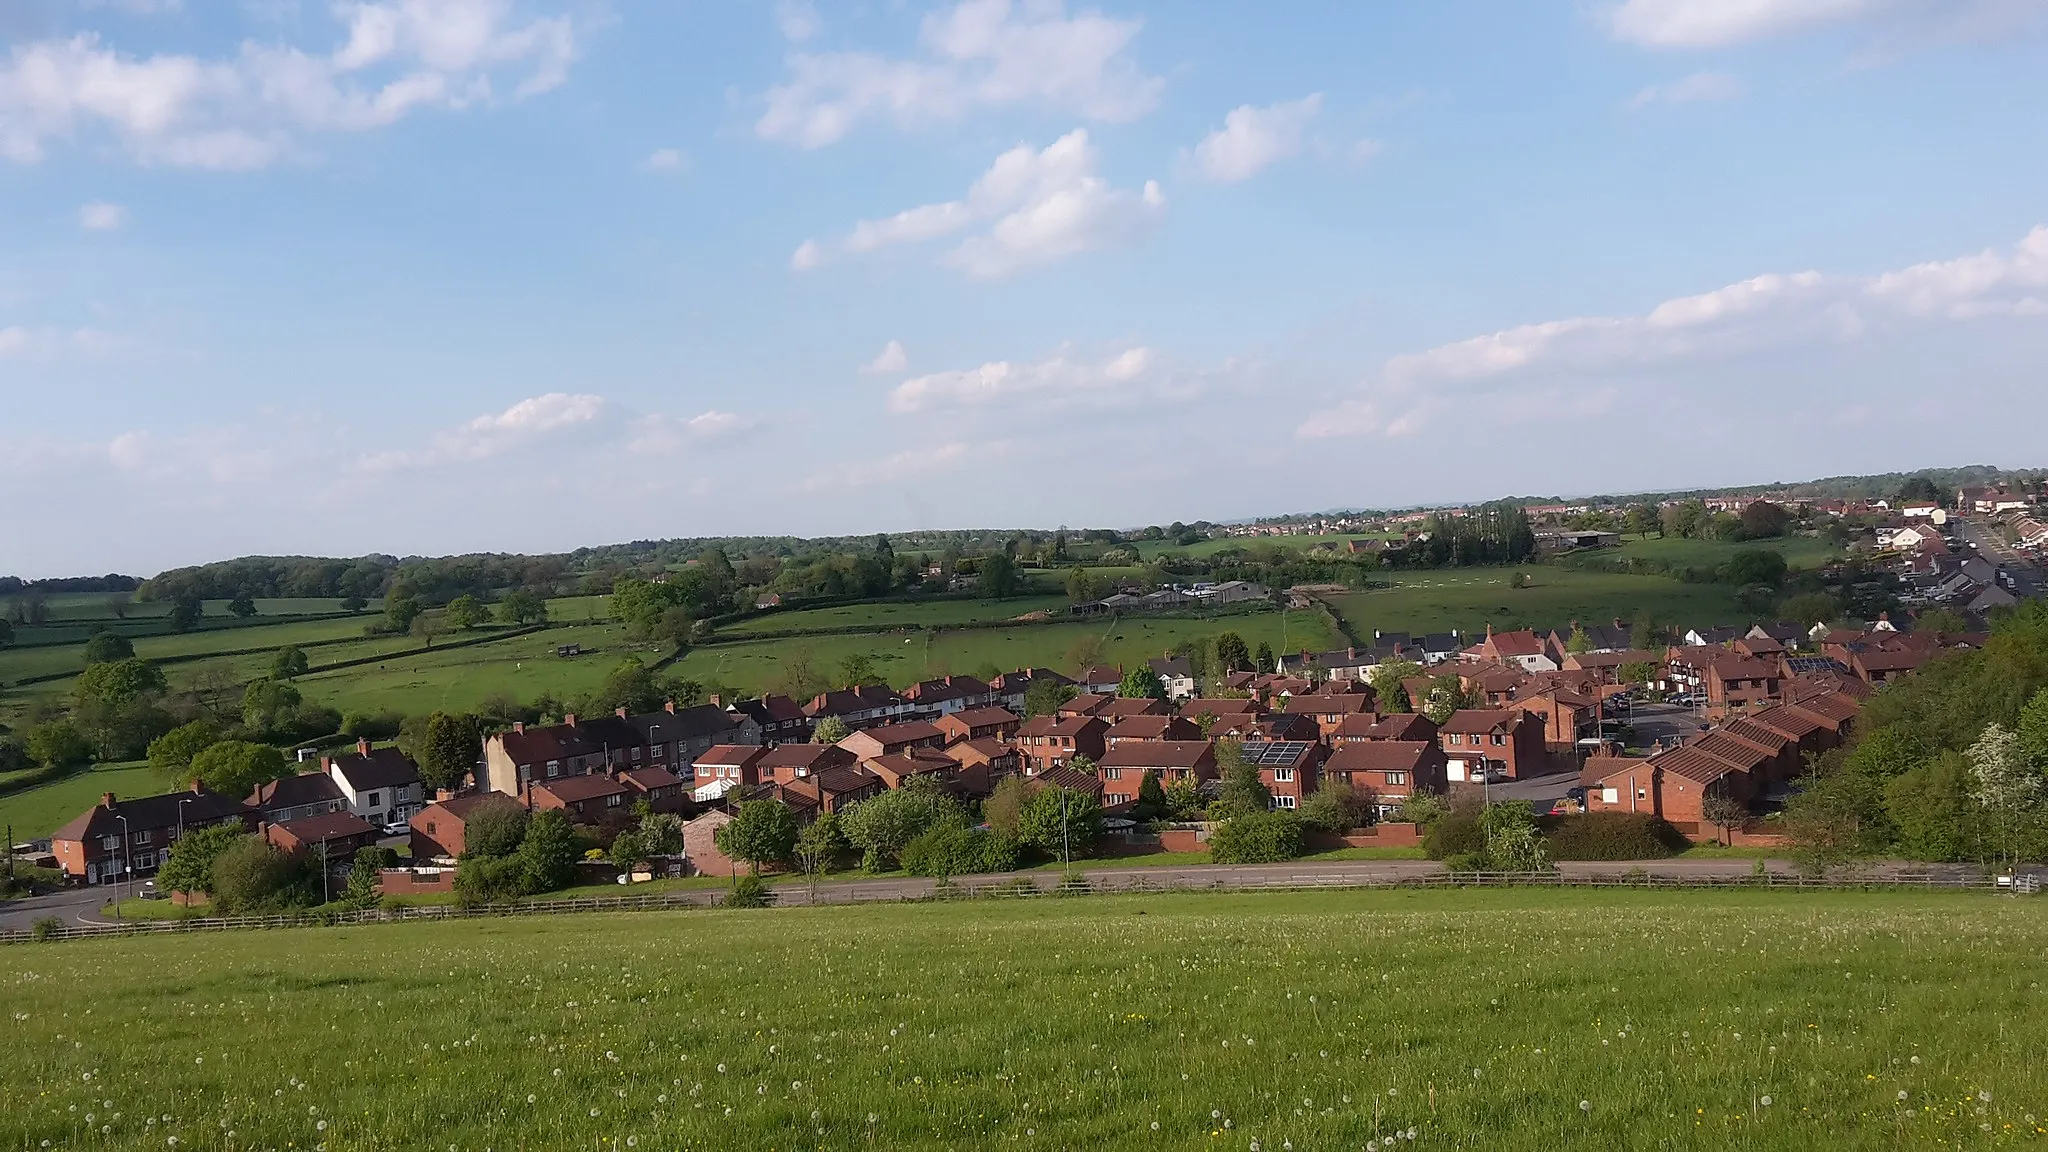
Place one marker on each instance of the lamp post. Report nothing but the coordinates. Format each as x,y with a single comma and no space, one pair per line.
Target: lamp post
325,869
181,816
127,864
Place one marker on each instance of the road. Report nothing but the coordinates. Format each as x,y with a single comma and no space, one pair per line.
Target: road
2028,580
68,905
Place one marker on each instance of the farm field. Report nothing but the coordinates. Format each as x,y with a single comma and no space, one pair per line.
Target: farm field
1471,598
756,665
1147,549
74,616
464,678
1799,551
1609,1020
884,616
16,663
40,811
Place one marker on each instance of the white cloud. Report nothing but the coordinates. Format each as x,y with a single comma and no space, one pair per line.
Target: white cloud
45,344
1252,138
1721,23
1039,206
798,20
248,110
100,216
1696,88
528,420
980,53
1127,375
892,358
1773,312
663,160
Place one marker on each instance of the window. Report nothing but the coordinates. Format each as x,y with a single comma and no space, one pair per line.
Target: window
110,843
554,769
1112,773
613,800
635,754
1284,801
142,837
375,798
1457,739
1498,740
1397,778
1283,775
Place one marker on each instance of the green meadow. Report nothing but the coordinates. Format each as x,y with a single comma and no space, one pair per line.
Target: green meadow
1510,1020
39,811
1471,598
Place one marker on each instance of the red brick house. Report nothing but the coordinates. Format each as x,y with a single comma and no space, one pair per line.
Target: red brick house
1045,742
1568,716
118,838
1524,648
787,762
1151,728
1084,704
982,723
1403,726
437,829
296,797
663,790
340,834
896,769
1287,768
587,799
730,765
831,789
1330,711
1741,682
1507,742
1125,707
997,758
1074,781
1123,767
1392,770
890,739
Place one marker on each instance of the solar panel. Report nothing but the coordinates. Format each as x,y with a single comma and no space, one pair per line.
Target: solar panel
1277,752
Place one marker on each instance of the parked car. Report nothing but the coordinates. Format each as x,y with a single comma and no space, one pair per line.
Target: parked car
1490,774
397,828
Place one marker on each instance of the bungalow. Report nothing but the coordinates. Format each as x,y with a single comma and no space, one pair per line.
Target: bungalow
1711,637
335,837
1492,744
986,722
587,799
116,839
889,739
1392,770
381,785
439,828
296,797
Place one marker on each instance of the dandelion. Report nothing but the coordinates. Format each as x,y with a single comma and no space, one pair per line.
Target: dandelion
529,1097
1766,1101
1585,1105
320,1127
1155,1125
1983,1096
1902,1095
721,1067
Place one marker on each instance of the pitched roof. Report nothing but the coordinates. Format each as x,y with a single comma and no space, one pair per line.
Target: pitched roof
1100,674
152,812
648,779
1171,666
461,806
1058,725
295,792
727,755
1733,667
1219,706
799,755
1157,754
1393,726
771,709
1331,704
983,717
1481,719
1518,643
1088,702
1790,723
552,742
1598,769
327,826
1379,756
382,768
693,723
1143,727
1694,765
573,789
946,688
1125,707
1071,780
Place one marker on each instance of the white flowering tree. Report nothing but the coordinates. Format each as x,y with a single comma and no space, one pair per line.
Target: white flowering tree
2006,786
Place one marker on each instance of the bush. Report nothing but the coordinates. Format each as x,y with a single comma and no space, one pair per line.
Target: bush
45,929
251,876
1612,836
494,829
750,892
372,725
1256,838
489,880
956,851
1337,808
1454,834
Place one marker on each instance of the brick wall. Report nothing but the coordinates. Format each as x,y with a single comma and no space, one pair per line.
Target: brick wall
410,882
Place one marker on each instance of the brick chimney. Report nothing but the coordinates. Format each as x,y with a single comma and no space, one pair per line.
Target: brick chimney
106,799
668,706
716,700
519,727
620,712
197,788
569,718
362,745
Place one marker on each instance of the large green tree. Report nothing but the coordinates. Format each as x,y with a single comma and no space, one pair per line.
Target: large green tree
1243,789
171,754
106,647
466,612
1231,654
1141,683
448,749
881,825
190,868
234,768
1063,823
998,578
289,663
761,832
522,606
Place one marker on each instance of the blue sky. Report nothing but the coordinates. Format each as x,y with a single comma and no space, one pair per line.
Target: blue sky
427,276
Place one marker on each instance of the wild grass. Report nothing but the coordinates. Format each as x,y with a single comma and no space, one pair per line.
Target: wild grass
1499,1019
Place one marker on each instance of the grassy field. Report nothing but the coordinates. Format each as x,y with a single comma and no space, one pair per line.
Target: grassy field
754,666
886,616
1498,1020
463,678
1150,548
16,663
38,812
1799,551
1472,598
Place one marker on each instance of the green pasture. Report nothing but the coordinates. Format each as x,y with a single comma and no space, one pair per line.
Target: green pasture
925,614
1799,551
1510,1020
459,679
1471,598
17,662
1147,549
40,811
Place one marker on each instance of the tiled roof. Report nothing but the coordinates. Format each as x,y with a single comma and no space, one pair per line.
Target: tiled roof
295,792
572,789
1481,719
1071,780
1379,756
150,812
1157,754
728,755
1694,765
328,826
984,717
382,768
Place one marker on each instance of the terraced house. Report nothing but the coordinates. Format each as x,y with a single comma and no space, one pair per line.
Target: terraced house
116,839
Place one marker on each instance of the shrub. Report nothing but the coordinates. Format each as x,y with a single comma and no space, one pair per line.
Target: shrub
1337,808
489,880
750,892
1256,838
45,929
1612,836
955,851
494,829
1454,834
251,876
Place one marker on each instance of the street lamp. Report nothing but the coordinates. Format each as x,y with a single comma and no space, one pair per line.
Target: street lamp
127,863
325,869
181,816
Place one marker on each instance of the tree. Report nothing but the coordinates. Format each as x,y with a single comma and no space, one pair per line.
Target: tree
401,611
761,832
882,825
819,847
290,663
6,632
1640,519
998,578
1266,662
1513,842
830,730
1046,696
1387,679
494,828
466,612
1184,798
251,876
1644,635
1578,643
1062,822
1338,807
449,749
547,852
858,668
365,871
1931,808
1724,812
243,606
521,606
2006,788
1941,620
58,744
1810,608
1082,586
119,682
171,754
1764,566
1243,791
186,612
1141,683
268,705
1447,694
353,603
1763,520
190,868
2033,730
1232,655
1152,802
1838,817
1003,811
234,768
107,647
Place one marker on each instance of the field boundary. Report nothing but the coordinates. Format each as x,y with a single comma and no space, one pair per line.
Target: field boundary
353,662
223,626
718,638
1110,882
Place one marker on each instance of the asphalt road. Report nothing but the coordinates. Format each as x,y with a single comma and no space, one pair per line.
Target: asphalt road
2026,574
67,905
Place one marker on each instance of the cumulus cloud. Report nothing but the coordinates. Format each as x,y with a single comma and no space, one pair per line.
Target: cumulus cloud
663,160
1126,376
100,216
1773,312
1038,206
250,109
798,20
892,358
1696,88
1252,138
977,54
1721,23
